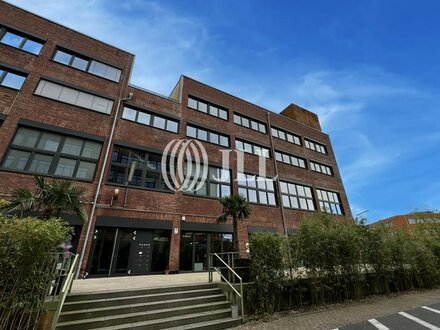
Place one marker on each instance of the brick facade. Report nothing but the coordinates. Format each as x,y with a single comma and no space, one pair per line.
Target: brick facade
148,204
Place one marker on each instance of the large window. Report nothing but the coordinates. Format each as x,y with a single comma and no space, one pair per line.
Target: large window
206,107
290,159
329,202
321,168
315,146
69,95
50,153
206,135
19,40
249,123
216,184
150,119
286,136
87,64
147,173
11,79
296,196
252,148
256,189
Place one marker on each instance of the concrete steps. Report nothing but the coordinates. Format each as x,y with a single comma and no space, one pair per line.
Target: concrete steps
200,306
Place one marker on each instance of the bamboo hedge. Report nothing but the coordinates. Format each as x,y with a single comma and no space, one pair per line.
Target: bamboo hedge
26,259
331,261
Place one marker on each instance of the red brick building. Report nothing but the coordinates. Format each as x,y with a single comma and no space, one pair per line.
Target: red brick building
67,110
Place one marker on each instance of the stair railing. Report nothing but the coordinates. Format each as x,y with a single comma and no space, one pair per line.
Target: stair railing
65,290
230,271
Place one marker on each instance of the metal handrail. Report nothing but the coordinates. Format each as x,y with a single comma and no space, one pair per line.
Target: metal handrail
67,286
211,267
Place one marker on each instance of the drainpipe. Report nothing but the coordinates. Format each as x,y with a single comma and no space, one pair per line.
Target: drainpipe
101,177
283,216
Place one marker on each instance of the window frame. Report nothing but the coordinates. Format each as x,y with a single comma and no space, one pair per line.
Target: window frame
74,55
240,118
145,169
208,182
55,155
209,105
290,156
5,29
256,188
152,115
312,145
7,71
286,134
208,132
322,202
253,148
297,196
314,165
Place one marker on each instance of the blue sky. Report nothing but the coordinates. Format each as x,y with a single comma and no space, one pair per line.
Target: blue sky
369,69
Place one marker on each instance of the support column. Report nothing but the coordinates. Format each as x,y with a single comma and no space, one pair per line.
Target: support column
173,263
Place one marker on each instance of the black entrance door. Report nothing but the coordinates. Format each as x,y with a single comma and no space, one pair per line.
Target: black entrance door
141,253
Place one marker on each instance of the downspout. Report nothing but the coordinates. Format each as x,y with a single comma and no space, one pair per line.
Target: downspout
283,216
101,177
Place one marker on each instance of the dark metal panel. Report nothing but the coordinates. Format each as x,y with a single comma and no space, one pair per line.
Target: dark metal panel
252,230
109,221
207,227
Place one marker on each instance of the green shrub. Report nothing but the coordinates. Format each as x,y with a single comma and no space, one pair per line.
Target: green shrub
26,259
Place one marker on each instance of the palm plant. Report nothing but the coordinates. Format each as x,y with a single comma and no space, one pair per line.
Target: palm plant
52,199
236,207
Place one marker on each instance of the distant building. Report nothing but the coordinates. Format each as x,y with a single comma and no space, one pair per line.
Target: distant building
410,221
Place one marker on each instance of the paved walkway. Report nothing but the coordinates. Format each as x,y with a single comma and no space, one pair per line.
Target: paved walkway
338,316
138,282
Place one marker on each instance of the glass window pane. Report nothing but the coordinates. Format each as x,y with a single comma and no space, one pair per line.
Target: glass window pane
257,151
265,152
283,186
40,164
223,114
72,146
294,161
294,202
308,192
13,80
159,122
172,126
192,103
49,141
144,118
152,180
271,199
202,134
16,159
254,125
213,138
214,190
251,181
129,114
292,189
101,104
245,122
26,137
224,141
247,147
213,110
310,205
86,170
80,63
297,140
303,203
269,185
285,200
12,39
62,57
281,135
32,47
69,95
203,107
263,197
91,150
289,137
274,132
225,190
237,119
112,73
243,192
97,68
301,191
239,145
65,167
252,196
261,183
278,156
191,131
262,128
85,100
